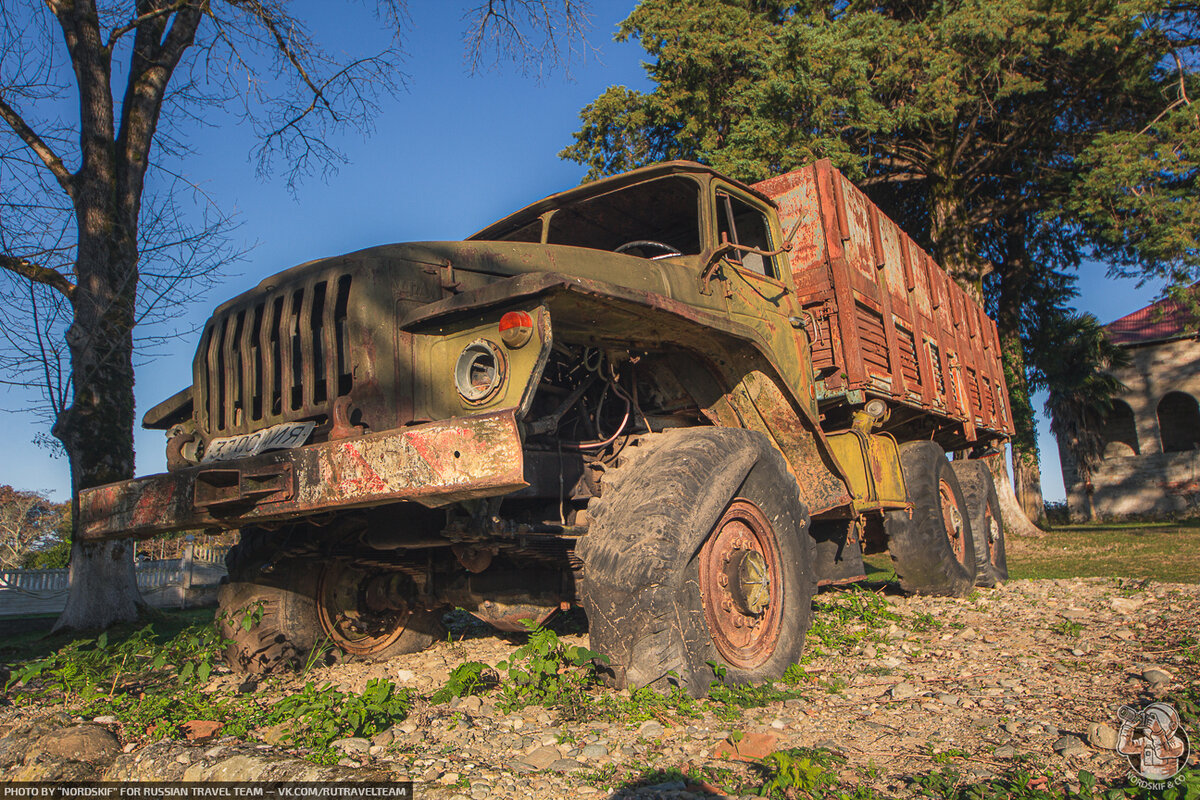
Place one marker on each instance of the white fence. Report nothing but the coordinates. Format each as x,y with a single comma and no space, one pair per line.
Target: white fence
185,582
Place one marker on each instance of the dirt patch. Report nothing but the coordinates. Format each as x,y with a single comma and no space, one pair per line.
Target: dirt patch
1024,674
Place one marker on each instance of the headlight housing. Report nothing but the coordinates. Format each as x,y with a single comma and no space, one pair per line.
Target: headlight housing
480,371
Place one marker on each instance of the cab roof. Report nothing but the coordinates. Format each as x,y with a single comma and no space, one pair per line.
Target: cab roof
603,186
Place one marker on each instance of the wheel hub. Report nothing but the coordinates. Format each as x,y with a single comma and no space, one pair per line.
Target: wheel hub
360,613
740,586
952,520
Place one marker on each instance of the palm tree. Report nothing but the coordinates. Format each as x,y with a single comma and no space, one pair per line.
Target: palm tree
1081,389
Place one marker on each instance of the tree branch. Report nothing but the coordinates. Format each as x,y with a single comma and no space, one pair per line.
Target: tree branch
118,32
43,151
37,273
259,12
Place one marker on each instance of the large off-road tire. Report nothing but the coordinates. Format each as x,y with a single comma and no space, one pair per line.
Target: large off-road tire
270,622
933,550
987,524
699,551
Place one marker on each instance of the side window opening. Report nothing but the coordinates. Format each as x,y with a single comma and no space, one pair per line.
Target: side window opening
743,224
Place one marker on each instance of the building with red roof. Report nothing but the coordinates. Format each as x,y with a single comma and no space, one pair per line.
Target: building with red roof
1151,464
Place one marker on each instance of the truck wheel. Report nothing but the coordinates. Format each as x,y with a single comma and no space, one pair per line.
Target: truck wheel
699,552
270,622
372,616
987,525
933,550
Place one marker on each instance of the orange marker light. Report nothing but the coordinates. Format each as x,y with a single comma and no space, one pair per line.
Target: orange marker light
516,329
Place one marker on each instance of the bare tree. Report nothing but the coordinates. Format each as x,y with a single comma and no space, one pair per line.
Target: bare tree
28,521
98,237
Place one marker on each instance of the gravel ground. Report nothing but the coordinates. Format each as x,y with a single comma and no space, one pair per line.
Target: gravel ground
1033,669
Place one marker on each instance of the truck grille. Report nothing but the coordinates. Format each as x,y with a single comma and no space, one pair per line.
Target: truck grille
286,357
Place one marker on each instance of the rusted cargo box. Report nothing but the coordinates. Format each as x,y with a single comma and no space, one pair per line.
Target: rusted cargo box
886,320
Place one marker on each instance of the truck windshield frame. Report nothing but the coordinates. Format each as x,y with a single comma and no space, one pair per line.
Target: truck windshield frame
665,210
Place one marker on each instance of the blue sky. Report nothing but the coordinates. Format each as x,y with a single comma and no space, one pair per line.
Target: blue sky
449,155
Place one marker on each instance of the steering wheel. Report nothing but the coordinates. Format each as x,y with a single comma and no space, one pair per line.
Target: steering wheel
670,252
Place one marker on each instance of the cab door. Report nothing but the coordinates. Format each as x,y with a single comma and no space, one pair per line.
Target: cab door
758,285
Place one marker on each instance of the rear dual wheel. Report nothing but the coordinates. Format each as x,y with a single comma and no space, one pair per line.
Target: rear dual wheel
933,547
987,525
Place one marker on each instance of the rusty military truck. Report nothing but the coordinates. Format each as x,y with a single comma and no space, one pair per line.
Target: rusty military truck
678,400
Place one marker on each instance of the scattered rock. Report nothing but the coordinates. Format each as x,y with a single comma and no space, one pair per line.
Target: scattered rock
541,758
352,746
106,720
747,747
594,751
1102,736
90,743
1126,605
1155,675
1070,746
1005,751
201,730
564,765
650,729
904,691
669,786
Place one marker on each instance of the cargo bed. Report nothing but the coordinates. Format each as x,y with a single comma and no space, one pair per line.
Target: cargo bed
885,320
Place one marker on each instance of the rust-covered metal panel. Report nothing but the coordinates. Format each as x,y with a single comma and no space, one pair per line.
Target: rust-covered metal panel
888,321
433,464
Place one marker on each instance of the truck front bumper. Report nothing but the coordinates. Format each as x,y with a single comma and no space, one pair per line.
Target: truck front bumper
434,464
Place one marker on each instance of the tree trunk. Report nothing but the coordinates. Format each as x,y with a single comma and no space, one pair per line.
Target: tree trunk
1027,485
1027,473
1015,520
103,587
97,428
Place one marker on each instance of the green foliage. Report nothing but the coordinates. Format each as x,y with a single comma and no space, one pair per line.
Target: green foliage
843,619
794,675
86,668
799,772
1068,627
472,677
1019,784
645,703
161,714
319,715
924,621
55,556
547,671
731,699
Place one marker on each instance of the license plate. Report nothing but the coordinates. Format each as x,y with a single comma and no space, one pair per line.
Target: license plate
283,436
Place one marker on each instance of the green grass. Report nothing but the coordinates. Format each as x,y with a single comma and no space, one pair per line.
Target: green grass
30,645
1160,551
